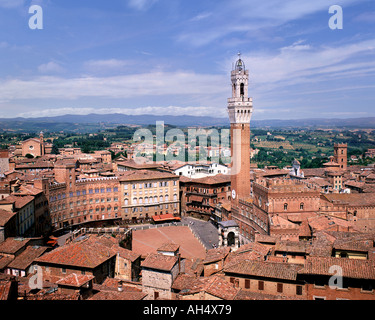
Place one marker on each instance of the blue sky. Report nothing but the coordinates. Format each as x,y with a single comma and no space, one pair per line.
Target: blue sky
175,56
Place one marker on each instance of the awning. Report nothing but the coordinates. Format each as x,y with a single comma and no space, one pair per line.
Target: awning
165,217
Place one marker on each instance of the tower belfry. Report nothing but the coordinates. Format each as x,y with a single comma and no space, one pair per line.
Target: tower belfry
240,108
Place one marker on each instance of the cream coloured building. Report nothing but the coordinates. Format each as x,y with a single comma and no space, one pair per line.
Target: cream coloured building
145,193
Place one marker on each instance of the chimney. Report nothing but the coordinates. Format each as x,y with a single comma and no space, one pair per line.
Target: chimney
119,287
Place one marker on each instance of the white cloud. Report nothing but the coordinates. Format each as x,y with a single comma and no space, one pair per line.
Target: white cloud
50,67
141,4
201,16
299,63
115,87
250,16
11,3
106,65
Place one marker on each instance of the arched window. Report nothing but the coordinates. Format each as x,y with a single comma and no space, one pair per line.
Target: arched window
285,206
242,89
301,205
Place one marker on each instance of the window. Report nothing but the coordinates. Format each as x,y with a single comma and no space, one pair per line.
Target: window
280,287
301,206
285,206
247,284
261,285
299,290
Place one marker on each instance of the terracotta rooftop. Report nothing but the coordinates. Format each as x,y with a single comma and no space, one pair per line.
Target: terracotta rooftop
159,262
352,199
262,238
5,288
221,288
137,175
216,179
169,247
213,285
12,245
304,230
292,246
5,216
26,257
79,254
75,280
116,295
187,283
135,165
266,269
320,223
351,268
19,201
216,254
4,261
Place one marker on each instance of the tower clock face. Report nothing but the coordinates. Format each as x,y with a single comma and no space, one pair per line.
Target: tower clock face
234,194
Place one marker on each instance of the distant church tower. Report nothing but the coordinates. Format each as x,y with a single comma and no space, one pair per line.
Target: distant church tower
240,108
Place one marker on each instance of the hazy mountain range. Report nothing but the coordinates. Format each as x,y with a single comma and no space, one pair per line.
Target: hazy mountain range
90,122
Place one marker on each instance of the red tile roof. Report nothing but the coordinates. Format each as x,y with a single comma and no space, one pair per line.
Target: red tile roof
75,280
169,247
145,175
85,254
26,258
221,288
12,245
216,254
351,268
266,269
5,216
159,262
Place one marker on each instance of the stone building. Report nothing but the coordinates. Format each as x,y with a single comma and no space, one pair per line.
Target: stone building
159,271
4,162
145,193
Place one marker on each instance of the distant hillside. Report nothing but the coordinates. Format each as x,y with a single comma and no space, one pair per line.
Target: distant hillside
94,122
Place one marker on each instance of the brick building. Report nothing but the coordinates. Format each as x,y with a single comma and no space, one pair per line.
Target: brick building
83,256
35,147
199,197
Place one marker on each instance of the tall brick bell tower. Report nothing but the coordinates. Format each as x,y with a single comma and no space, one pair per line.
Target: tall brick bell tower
240,108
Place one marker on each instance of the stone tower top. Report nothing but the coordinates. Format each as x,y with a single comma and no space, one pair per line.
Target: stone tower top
240,106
